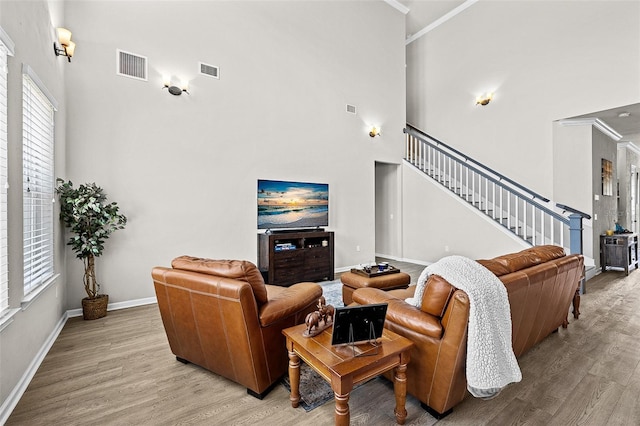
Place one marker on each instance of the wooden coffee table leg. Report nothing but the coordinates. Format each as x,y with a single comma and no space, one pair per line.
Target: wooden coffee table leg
400,390
343,416
294,378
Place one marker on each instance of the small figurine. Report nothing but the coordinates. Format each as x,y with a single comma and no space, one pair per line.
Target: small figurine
319,320
326,311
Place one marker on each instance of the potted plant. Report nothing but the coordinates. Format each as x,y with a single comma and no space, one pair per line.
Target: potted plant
86,212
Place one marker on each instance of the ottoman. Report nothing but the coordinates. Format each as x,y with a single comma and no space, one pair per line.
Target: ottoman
352,281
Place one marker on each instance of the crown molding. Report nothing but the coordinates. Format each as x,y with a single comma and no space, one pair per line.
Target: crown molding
630,146
9,44
595,122
435,24
398,6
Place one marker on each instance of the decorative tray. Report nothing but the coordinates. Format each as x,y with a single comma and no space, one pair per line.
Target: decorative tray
374,272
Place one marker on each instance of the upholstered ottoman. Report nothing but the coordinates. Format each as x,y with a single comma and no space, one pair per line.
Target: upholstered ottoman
352,281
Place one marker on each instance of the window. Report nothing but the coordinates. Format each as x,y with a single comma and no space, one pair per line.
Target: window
6,49
37,180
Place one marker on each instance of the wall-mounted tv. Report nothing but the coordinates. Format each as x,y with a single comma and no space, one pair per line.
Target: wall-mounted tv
284,204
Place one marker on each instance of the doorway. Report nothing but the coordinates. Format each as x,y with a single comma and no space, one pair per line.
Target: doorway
633,199
388,190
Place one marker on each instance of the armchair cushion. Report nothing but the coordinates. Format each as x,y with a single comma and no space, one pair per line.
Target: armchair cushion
437,293
401,313
240,270
286,301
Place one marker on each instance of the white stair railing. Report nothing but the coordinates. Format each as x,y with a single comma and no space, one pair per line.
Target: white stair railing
510,204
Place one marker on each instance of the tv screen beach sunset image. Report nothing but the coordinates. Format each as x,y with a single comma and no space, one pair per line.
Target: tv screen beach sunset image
292,204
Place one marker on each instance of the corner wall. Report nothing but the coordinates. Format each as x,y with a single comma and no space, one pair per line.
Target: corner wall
30,25
184,168
544,60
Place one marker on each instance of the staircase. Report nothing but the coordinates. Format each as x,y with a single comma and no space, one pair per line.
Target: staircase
528,215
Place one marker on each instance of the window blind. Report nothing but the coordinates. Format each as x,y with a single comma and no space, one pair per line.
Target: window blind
38,184
4,261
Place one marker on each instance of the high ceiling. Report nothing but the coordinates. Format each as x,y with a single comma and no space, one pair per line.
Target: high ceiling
423,13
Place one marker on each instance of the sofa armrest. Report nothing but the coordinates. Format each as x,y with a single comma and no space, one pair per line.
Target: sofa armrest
283,302
400,312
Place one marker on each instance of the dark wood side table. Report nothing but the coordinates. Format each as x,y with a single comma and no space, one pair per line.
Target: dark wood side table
619,251
338,366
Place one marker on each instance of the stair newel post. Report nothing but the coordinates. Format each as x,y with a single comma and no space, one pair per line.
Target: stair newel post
575,239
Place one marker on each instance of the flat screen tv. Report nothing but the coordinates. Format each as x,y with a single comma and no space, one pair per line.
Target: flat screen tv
283,204
358,324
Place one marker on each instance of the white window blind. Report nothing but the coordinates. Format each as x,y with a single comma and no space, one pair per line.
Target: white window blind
4,275
38,182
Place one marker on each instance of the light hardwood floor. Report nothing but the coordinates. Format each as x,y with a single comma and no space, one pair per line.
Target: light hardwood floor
119,371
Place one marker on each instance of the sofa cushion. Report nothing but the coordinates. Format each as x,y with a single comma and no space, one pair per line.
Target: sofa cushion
496,266
513,262
240,270
437,292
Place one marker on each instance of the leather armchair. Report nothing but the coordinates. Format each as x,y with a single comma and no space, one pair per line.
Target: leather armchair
220,315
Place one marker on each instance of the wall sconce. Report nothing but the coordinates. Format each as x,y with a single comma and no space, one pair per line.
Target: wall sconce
68,47
175,90
484,99
374,132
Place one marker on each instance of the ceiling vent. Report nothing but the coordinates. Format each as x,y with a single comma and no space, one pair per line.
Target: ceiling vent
209,70
351,109
131,65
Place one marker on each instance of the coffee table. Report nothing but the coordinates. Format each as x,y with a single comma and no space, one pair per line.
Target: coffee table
338,366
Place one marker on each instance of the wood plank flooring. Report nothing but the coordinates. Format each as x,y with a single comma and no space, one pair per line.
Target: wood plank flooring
119,371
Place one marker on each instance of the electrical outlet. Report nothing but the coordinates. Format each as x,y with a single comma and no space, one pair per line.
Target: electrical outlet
446,248
357,248
595,216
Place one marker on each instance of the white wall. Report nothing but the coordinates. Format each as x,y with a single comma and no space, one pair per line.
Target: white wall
437,223
30,25
184,169
544,60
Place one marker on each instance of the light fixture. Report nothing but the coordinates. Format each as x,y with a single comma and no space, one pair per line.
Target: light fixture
624,114
374,132
68,47
484,99
173,89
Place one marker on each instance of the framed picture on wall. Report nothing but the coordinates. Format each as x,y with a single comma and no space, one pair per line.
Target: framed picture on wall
607,177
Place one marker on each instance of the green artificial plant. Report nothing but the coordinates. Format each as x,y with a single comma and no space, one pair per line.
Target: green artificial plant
86,212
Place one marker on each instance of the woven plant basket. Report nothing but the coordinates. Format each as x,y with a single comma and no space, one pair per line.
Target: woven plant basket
95,308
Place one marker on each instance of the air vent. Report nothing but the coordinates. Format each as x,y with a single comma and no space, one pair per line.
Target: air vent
131,65
209,70
351,109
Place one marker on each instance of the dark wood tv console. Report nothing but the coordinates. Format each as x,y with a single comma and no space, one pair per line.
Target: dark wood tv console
291,257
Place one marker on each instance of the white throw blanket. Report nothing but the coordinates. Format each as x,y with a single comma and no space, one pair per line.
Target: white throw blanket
491,363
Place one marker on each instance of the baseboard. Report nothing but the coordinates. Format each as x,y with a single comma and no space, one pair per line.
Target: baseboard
116,306
13,398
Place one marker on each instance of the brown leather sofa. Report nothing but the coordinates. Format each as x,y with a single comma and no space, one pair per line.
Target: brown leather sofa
220,315
541,282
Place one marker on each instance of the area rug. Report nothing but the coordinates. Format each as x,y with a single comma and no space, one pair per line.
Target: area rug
332,292
314,390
